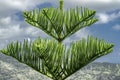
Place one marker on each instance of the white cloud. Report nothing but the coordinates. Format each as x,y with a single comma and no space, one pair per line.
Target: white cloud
18,4
5,21
99,5
18,31
116,27
105,18
11,31
9,7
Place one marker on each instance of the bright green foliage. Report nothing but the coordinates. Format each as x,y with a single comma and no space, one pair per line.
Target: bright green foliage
60,25
51,58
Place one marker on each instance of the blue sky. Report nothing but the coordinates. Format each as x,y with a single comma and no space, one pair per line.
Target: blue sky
13,27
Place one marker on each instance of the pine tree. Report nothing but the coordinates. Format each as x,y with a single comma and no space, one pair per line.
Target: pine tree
51,57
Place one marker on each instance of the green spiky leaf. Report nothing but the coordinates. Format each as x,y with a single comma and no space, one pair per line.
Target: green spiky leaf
60,25
51,58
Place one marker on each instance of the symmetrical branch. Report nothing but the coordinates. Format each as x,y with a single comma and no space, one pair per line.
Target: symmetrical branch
53,59
61,26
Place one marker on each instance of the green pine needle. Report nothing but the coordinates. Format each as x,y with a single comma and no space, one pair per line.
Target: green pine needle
51,58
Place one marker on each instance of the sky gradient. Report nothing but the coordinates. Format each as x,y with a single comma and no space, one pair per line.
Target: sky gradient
13,27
